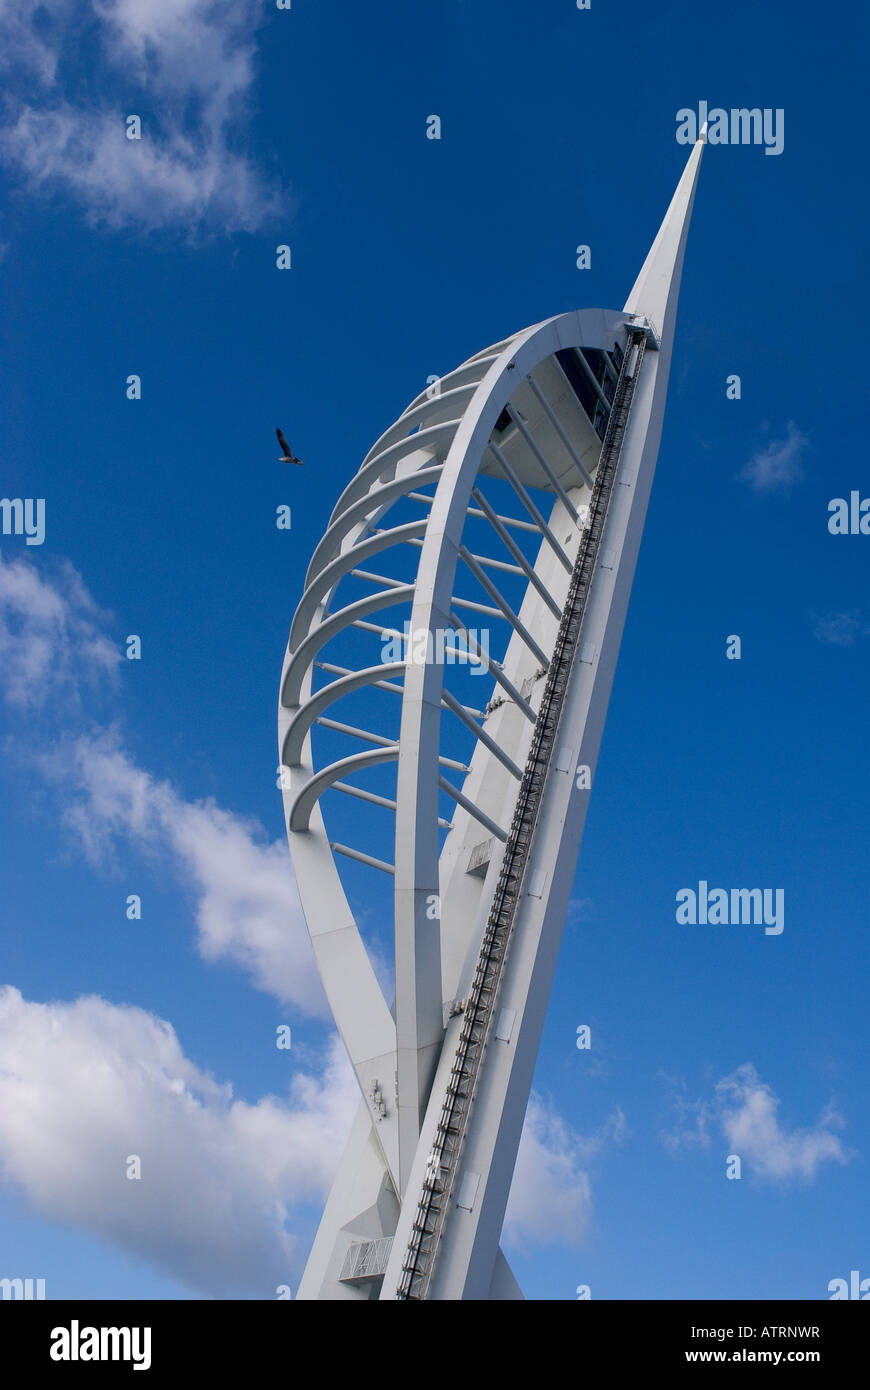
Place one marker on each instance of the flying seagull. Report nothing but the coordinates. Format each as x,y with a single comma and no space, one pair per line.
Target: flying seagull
288,456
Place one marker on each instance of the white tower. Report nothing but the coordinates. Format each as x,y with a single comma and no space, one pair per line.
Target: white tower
486,544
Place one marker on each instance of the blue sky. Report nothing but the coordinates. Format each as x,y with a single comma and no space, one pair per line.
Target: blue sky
157,777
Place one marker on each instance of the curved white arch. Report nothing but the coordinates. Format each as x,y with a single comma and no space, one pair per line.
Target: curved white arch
294,739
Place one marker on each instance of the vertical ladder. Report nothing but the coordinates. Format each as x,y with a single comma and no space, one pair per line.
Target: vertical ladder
434,1200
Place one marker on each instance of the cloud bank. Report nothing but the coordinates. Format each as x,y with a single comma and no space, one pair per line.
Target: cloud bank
245,901
76,69
84,1086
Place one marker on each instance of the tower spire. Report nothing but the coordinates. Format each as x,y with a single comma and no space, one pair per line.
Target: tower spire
657,287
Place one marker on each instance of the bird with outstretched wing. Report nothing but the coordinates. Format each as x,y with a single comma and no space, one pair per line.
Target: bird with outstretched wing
288,456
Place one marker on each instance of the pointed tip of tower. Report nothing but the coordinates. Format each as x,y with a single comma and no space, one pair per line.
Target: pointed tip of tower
657,286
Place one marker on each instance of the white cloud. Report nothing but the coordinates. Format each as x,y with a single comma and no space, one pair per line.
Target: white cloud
29,36
186,68
149,183
246,905
690,1125
838,629
550,1200
84,1085
778,466
746,1112
580,910
51,641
